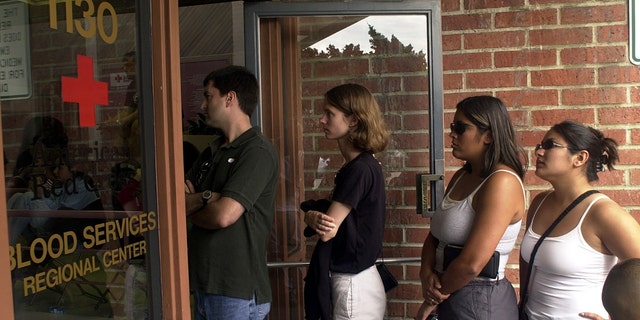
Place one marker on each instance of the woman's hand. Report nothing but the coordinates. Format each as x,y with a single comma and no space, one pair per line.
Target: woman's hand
431,288
590,315
425,310
319,221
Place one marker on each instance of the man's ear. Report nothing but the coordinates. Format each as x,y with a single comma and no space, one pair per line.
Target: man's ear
231,95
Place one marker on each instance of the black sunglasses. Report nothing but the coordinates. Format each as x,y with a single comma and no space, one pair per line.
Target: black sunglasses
549,144
459,127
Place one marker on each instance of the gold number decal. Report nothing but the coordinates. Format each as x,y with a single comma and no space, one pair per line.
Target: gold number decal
89,19
106,6
87,25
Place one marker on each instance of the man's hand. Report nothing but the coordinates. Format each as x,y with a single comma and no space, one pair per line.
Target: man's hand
188,187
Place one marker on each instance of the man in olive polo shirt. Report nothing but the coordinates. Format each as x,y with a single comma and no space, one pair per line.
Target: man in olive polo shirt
230,203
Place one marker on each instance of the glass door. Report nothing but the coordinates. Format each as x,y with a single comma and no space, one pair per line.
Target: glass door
81,228
301,50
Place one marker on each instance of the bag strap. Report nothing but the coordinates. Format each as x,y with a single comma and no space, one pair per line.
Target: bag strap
575,202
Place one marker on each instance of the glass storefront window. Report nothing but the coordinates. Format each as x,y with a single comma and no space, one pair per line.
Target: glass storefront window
78,228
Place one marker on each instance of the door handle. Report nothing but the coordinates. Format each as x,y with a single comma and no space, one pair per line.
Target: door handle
428,192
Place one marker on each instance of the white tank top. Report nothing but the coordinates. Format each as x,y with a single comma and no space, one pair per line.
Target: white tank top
453,220
568,274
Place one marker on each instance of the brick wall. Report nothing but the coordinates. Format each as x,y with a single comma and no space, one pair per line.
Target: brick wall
548,60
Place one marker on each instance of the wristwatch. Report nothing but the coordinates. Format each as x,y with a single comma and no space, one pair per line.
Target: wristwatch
206,195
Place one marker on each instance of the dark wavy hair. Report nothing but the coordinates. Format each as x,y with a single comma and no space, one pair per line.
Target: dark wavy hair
490,114
240,80
603,151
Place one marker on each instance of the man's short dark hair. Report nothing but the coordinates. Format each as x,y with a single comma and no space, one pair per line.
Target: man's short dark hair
240,80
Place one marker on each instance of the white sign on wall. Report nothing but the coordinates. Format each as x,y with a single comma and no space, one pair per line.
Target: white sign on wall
15,59
634,31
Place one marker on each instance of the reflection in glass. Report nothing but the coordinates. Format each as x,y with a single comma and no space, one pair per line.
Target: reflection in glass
72,159
330,50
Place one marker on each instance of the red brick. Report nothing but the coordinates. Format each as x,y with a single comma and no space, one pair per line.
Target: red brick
417,159
618,74
587,15
553,2
416,121
413,83
531,97
521,58
526,18
407,216
393,121
486,40
399,63
496,79
485,4
634,175
619,115
318,87
594,96
452,81
619,135
417,235
452,99
392,235
560,36
466,61
340,67
562,77
635,94
613,33
628,157
627,197
383,84
530,139
635,136
610,178
548,118
448,5
635,214
417,102
596,54
519,117
466,22
451,42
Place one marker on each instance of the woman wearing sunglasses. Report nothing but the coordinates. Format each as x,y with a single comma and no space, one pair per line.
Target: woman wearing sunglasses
571,263
475,228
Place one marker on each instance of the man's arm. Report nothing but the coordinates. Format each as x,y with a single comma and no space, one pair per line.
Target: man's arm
219,212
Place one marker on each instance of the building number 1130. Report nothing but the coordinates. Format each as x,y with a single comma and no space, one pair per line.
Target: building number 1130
89,15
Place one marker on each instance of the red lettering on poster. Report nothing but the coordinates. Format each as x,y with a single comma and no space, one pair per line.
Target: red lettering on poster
85,91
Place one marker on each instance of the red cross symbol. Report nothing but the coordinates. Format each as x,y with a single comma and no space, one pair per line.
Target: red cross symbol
85,91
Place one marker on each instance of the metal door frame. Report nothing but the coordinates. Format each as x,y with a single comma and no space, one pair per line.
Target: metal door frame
433,181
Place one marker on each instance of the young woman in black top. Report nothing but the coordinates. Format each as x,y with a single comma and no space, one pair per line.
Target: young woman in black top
354,222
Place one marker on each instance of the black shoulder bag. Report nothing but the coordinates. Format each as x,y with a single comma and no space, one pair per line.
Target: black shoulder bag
525,288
